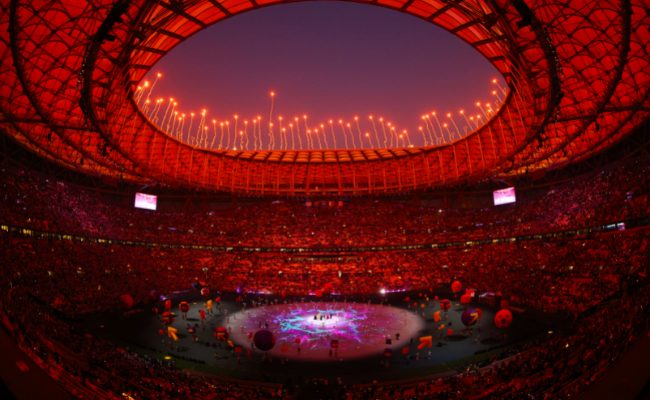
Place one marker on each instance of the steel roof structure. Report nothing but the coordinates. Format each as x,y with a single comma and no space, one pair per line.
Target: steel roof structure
578,73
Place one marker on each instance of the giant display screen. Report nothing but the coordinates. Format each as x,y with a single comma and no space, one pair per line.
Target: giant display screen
146,201
504,196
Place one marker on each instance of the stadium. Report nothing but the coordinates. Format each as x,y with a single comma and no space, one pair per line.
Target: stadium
497,254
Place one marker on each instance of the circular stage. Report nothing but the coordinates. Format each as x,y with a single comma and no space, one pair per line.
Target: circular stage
326,331
221,341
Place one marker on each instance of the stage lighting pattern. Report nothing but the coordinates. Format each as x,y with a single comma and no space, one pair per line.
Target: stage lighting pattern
328,331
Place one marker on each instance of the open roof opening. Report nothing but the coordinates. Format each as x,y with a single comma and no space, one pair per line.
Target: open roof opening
321,75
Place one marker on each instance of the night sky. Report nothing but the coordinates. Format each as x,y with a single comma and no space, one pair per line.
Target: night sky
328,60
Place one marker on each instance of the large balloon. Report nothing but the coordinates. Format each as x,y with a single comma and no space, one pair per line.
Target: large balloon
445,304
503,318
264,340
470,316
184,306
127,301
456,286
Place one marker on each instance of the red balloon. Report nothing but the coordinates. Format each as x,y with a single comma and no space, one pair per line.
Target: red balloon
184,306
127,301
205,291
445,304
168,304
456,286
465,299
503,318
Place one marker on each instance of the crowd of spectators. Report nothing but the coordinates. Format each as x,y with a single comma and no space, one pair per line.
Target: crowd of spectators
46,283
38,201
51,283
580,272
560,366
92,367
567,275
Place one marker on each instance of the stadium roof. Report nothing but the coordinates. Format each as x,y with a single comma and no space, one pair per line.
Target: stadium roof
578,73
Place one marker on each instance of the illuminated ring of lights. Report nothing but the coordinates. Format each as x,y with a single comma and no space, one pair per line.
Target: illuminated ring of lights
81,114
305,331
